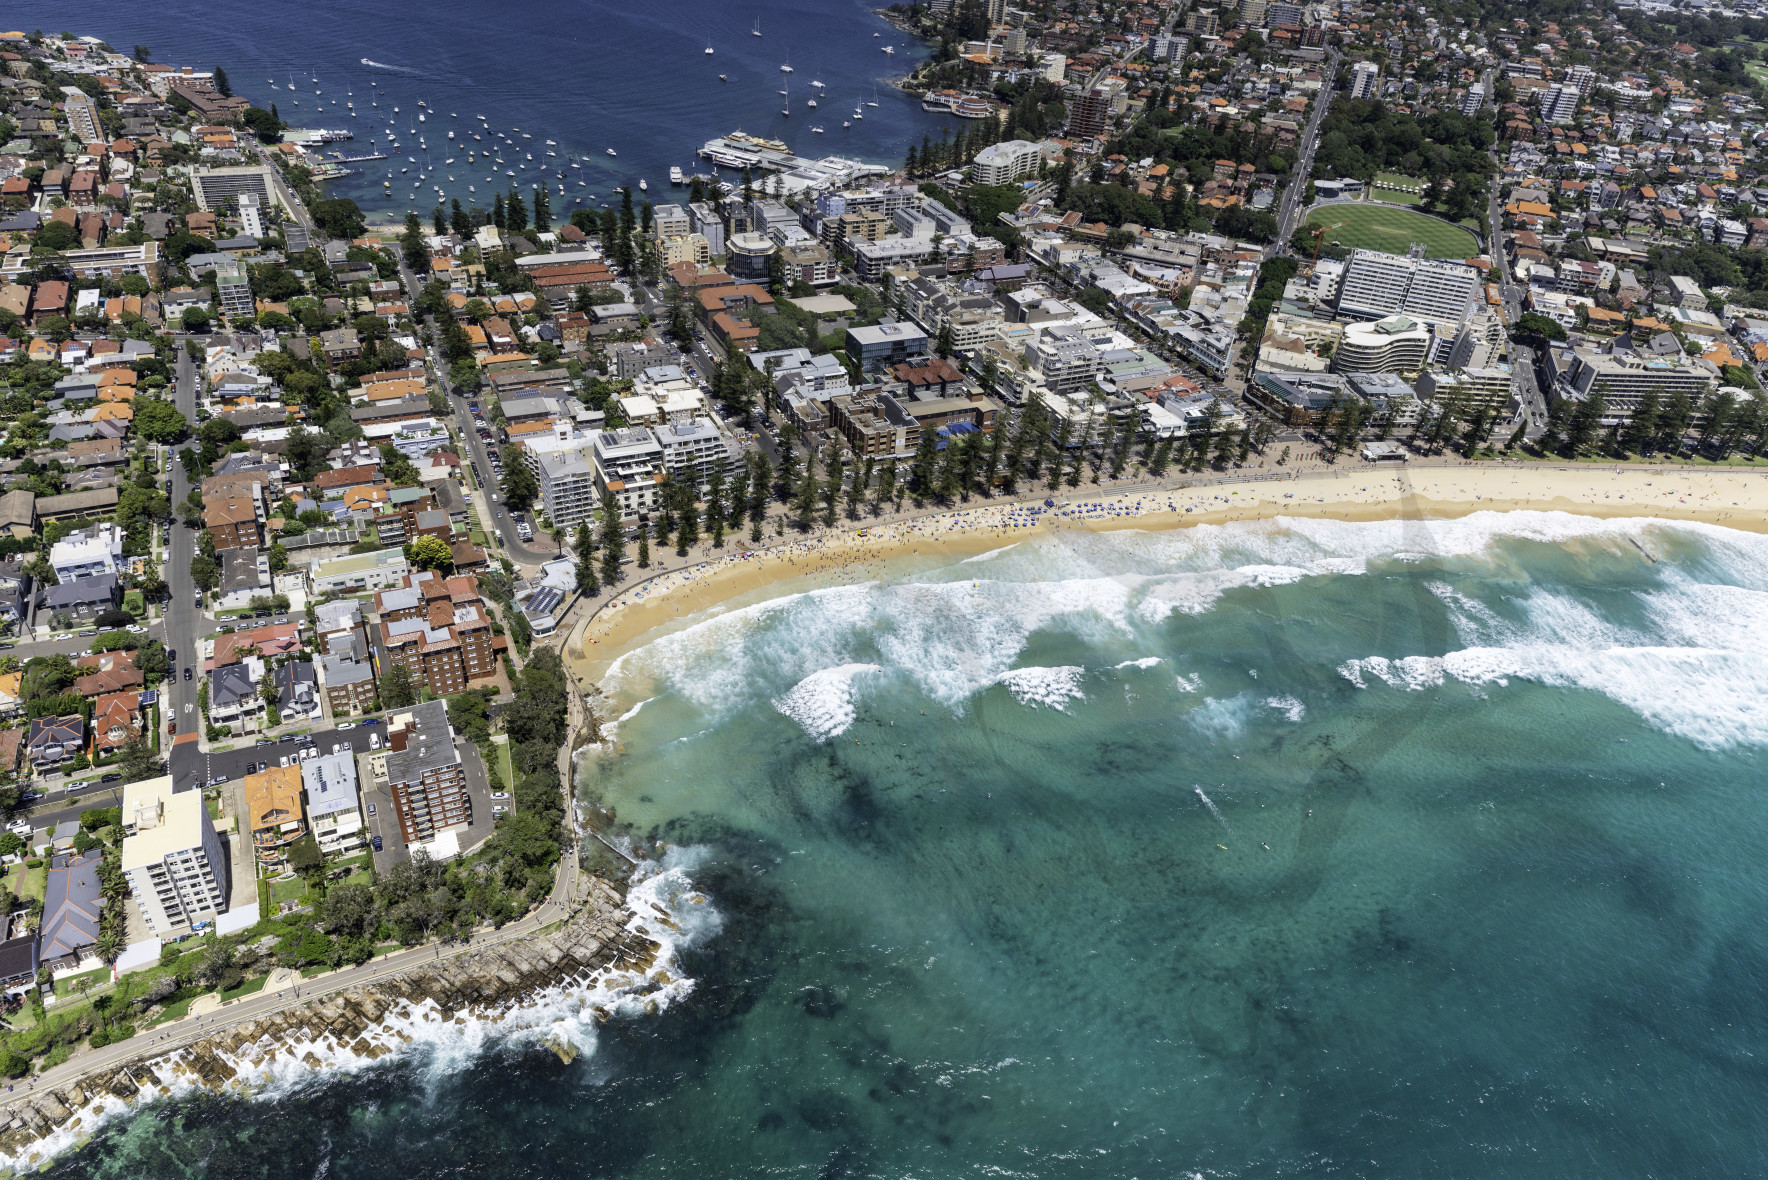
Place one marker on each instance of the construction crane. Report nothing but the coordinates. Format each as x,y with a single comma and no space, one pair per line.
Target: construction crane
1320,239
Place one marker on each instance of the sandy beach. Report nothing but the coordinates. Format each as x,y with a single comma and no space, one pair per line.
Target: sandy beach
856,551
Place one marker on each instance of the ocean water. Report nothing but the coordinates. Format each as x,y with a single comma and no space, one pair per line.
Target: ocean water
1276,849
588,75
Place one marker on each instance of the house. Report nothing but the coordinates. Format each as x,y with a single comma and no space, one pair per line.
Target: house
116,721
108,672
297,691
52,740
275,814
84,599
71,904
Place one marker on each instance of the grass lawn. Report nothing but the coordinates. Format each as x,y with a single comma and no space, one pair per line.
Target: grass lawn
249,987
31,882
174,1011
505,766
281,891
1372,227
1398,188
65,985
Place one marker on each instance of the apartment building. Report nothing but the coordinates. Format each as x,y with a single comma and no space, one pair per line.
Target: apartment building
439,630
1624,379
1365,80
1476,390
347,683
172,856
423,774
87,553
274,816
333,806
1064,358
875,427
629,466
1393,344
1377,285
693,448
881,345
236,522
1003,163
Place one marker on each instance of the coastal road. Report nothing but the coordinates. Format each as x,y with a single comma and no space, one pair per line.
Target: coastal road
1295,196
569,889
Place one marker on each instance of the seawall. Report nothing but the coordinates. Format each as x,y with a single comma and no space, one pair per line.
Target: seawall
359,1023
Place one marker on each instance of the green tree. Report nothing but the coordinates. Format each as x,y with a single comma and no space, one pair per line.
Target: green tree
613,539
519,486
158,421
584,550
398,691
429,553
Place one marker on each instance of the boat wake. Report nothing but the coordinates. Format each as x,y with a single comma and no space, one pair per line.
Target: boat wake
381,65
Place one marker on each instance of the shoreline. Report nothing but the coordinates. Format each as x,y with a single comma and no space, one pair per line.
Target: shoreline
1732,498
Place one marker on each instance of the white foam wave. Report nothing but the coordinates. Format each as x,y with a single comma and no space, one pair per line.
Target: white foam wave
823,701
665,908
1144,662
1191,683
1291,708
1051,687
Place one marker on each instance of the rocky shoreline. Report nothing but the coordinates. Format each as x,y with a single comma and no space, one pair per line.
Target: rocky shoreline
359,1022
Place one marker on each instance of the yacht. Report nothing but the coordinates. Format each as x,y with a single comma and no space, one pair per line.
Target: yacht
755,32
674,174
722,78
786,68
612,152
643,185
420,116
709,51
811,104
818,130
890,49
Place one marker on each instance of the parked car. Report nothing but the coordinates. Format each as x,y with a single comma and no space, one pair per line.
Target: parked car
499,809
371,721
374,741
217,780
87,634
347,725
136,629
500,794
111,778
172,654
377,843
371,809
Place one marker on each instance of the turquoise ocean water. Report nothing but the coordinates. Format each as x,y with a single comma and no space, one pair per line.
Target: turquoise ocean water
1280,849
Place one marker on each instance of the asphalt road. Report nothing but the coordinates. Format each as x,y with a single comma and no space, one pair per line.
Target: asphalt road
183,621
501,522
1295,196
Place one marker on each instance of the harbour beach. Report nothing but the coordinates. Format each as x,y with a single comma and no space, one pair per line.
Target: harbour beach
857,550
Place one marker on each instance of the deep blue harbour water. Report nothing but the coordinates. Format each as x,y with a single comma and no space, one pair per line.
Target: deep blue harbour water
590,76
1299,848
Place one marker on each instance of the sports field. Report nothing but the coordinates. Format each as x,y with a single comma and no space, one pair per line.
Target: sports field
1375,227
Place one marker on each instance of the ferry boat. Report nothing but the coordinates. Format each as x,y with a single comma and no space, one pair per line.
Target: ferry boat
674,174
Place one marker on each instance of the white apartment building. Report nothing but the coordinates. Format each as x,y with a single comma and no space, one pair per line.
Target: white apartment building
1559,103
87,553
1396,344
1365,79
333,806
1377,285
1065,359
1480,342
693,448
1003,163
1623,380
172,856
629,465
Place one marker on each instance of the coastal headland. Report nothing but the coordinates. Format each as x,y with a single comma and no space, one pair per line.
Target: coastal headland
1732,497
599,944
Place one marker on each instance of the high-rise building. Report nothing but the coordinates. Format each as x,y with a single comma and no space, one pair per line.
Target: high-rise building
1474,99
251,215
1377,285
1365,77
172,856
422,772
1003,163
82,115
1252,12
1395,344
1091,114
1559,102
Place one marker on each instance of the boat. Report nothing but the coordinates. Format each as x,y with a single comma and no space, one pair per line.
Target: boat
448,161
551,143
451,135
420,116
845,123
756,31
612,152
818,130
722,78
787,67
674,174
811,104
873,101
891,49
643,185
709,51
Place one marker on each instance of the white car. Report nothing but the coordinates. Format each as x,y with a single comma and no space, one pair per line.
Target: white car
374,741
136,629
338,747
500,794
348,725
284,761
